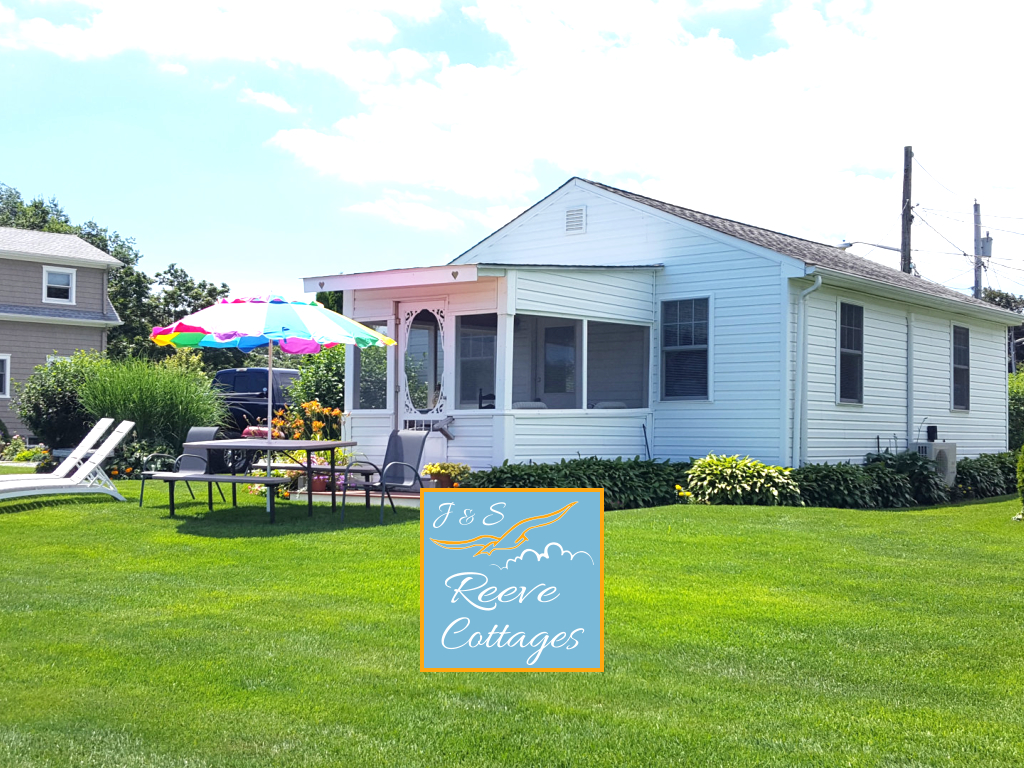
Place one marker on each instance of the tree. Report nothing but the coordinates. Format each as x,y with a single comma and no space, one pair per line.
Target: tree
1014,303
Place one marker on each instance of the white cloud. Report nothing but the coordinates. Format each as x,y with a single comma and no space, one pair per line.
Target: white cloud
410,211
271,100
806,139
173,68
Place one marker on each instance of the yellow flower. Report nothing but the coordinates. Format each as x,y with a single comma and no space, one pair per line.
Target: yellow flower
679,487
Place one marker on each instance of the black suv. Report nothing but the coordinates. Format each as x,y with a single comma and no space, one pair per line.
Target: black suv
245,390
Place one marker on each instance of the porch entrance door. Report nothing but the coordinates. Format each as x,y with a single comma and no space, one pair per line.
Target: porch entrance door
559,375
421,355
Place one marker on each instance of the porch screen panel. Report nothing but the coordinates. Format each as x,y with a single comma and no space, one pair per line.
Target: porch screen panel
476,339
961,368
618,369
371,366
851,353
560,360
684,349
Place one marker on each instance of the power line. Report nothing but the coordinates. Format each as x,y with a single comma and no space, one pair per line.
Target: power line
933,229
963,221
934,179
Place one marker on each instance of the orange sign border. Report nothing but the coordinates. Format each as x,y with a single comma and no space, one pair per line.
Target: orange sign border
423,518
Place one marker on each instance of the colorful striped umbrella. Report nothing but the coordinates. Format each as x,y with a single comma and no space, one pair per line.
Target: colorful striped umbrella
265,321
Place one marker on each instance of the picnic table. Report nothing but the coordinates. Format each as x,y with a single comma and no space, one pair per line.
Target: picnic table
289,447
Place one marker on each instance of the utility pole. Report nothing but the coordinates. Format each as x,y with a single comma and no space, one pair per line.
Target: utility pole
908,216
977,250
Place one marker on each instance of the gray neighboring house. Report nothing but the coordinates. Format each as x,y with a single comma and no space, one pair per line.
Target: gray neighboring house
53,301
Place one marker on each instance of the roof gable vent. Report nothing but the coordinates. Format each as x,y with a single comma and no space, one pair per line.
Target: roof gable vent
576,220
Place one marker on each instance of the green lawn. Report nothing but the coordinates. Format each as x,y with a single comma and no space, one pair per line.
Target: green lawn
17,470
740,636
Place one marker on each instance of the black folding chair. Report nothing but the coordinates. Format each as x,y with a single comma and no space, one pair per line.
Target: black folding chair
196,463
399,473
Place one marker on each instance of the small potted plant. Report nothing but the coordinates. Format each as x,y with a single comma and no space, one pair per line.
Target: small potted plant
445,474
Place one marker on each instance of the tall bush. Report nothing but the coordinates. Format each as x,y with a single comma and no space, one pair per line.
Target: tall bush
1016,389
162,400
732,480
991,474
628,483
889,489
49,400
321,378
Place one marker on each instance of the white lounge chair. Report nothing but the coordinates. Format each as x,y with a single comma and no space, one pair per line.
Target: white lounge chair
74,458
88,478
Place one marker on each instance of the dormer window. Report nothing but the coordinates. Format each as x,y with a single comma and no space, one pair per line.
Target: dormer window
58,285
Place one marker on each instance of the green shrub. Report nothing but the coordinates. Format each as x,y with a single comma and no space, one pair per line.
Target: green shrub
162,400
925,482
1016,390
321,378
13,448
991,474
628,483
843,486
46,464
889,489
5,435
49,400
1020,477
732,480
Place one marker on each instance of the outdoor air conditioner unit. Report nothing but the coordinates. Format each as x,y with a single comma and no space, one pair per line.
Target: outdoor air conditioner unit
944,456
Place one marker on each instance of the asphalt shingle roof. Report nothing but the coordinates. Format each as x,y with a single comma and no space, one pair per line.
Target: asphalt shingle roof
807,251
52,244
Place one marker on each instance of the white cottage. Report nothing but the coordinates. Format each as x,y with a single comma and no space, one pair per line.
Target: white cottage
600,322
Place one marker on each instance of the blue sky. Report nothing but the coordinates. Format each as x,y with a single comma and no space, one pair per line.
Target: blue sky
254,143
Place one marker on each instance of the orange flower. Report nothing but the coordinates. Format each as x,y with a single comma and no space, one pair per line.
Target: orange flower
336,412
455,485
113,471
128,470
317,426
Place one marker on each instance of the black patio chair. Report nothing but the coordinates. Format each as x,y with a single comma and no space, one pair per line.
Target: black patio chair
399,472
196,463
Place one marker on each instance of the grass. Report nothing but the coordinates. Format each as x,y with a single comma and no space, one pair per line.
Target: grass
739,636
9,470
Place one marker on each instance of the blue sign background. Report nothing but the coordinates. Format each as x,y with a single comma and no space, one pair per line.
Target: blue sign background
565,554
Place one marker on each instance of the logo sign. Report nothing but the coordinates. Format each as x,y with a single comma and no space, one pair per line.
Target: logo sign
512,579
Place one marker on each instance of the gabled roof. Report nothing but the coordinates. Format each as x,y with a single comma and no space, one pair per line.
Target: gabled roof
809,252
51,246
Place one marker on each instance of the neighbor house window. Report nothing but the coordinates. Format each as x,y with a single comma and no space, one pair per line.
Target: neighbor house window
684,349
476,341
961,368
851,353
371,369
5,376
58,285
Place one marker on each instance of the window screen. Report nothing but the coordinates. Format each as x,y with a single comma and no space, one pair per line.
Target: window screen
477,340
851,353
5,381
961,368
684,349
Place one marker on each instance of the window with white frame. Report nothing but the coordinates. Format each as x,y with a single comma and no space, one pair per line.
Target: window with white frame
684,349
5,376
58,285
961,368
851,353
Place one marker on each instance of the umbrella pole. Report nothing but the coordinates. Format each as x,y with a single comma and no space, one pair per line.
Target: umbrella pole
270,417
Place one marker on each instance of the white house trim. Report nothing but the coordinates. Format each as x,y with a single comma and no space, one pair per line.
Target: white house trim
390,278
48,320
72,288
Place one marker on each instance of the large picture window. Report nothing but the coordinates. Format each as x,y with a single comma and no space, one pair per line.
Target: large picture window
961,368
477,338
684,349
851,353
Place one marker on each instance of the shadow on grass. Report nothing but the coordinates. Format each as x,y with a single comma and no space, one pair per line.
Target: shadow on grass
251,520
31,503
